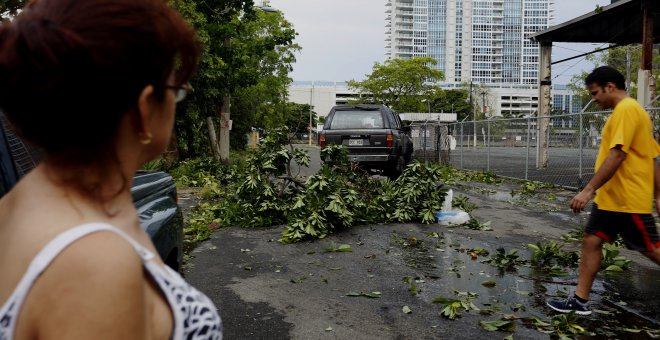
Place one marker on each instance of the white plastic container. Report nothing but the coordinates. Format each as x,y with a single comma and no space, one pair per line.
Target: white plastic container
449,215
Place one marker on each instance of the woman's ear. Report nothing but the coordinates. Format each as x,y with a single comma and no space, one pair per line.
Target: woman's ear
145,110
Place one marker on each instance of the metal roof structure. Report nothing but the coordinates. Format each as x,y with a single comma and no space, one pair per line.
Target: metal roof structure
619,23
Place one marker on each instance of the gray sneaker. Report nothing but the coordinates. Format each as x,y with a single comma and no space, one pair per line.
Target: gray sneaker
568,305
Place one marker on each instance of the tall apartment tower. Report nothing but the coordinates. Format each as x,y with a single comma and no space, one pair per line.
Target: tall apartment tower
483,41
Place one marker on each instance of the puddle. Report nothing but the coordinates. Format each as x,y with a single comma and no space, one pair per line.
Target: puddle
564,217
445,266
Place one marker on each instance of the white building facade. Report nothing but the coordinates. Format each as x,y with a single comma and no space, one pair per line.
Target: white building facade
483,41
479,41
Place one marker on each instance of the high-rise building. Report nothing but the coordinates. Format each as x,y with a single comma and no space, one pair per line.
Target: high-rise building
483,41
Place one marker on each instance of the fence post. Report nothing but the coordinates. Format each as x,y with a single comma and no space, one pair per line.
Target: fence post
425,155
580,180
527,148
461,145
488,147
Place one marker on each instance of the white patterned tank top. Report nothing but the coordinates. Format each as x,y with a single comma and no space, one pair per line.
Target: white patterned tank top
195,316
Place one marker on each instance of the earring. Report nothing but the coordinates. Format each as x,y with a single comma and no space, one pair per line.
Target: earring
147,139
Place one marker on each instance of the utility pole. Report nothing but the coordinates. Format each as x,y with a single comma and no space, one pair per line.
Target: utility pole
483,96
225,118
311,100
471,109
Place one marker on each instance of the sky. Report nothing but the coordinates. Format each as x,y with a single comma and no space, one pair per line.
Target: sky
341,39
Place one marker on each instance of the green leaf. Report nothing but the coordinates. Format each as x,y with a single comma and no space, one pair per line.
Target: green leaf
498,325
614,268
372,295
406,310
489,283
344,248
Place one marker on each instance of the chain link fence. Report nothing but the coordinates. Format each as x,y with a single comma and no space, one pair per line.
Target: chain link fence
510,147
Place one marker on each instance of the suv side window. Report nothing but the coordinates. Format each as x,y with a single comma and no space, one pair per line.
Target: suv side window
398,120
392,117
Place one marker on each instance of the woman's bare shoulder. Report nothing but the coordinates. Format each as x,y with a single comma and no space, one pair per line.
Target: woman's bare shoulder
94,286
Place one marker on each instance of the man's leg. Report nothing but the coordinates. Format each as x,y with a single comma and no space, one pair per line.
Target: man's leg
589,266
592,246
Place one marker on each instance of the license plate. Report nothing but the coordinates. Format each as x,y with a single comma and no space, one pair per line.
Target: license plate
355,142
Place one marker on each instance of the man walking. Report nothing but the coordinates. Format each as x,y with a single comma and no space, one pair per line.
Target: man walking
627,179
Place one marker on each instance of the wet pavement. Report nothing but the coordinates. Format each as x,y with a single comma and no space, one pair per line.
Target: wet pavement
267,290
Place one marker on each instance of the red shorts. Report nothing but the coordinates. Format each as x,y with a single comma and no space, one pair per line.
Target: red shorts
637,230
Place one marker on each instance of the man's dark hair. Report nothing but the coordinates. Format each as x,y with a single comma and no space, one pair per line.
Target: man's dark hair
606,74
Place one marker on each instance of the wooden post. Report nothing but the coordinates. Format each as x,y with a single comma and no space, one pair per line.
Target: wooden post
543,113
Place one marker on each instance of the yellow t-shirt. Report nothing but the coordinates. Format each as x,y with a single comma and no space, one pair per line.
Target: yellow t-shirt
631,188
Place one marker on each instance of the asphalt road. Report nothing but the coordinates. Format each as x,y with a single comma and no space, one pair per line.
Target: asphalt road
267,290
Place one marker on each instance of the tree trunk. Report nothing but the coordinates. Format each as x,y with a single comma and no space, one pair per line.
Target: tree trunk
212,138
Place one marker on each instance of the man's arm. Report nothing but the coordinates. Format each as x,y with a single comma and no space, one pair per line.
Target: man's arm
612,162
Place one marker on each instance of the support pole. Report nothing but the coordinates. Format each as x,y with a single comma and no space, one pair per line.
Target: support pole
311,100
644,75
543,112
225,126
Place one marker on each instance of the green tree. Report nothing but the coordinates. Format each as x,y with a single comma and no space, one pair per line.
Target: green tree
10,7
454,101
615,57
246,59
401,83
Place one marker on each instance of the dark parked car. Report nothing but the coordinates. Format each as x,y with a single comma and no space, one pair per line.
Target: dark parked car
154,195
374,135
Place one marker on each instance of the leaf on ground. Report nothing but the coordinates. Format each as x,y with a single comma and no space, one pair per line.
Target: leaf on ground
600,311
372,295
344,248
329,329
614,268
508,337
498,325
406,310
489,283
631,330
299,279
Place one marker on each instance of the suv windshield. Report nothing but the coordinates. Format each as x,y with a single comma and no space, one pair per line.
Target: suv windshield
357,120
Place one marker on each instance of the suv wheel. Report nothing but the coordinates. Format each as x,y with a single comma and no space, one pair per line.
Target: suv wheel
396,168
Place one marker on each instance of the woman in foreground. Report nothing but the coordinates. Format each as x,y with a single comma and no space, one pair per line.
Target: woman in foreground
94,84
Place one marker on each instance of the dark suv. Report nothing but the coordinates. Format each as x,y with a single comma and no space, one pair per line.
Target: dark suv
374,135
